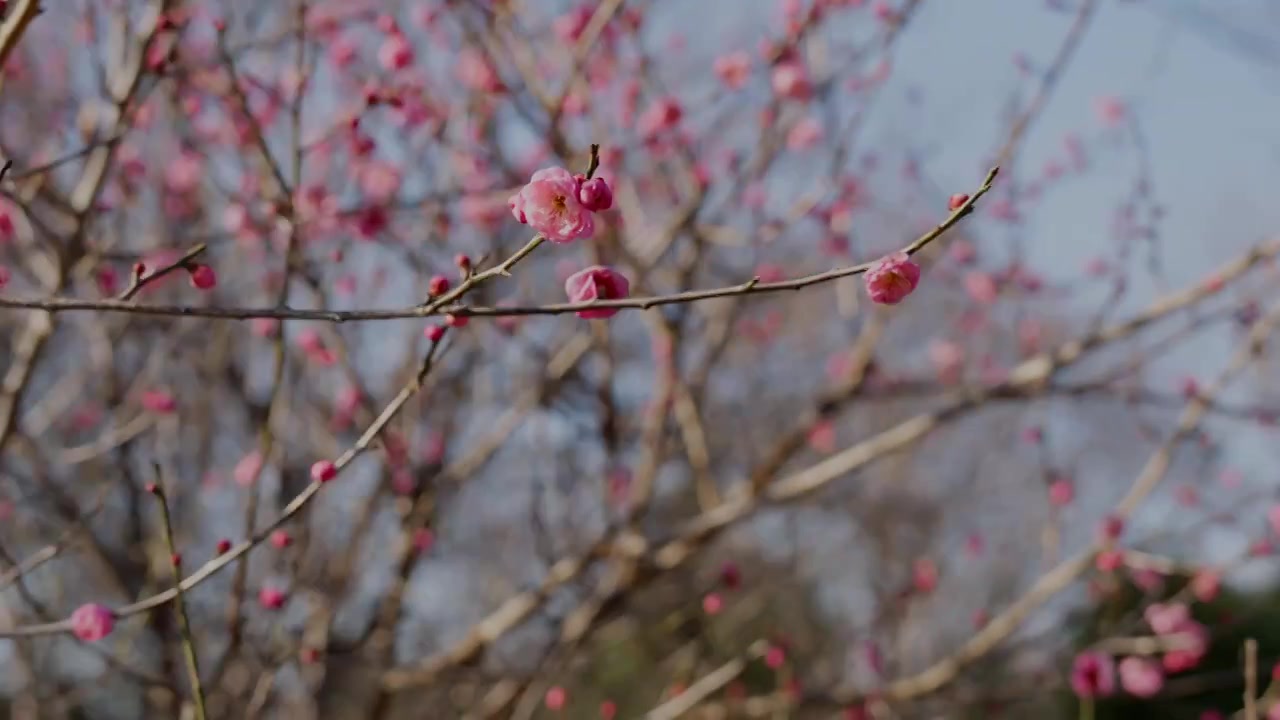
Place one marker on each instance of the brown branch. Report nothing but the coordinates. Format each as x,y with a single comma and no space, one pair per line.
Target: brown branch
1032,374
179,604
443,306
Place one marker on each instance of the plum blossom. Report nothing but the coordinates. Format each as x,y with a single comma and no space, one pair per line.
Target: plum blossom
1093,674
1140,677
551,204
893,278
733,69
597,283
92,622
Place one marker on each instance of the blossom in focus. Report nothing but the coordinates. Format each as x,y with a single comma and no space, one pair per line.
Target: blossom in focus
893,278
550,204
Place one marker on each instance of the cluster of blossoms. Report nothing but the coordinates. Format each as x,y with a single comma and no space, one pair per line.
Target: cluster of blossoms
561,207
1094,674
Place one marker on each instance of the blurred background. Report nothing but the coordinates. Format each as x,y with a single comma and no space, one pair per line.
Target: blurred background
984,501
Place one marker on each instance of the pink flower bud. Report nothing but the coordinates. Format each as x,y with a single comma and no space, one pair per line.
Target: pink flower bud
597,283
1093,674
92,622
555,698
712,603
281,539
595,195
323,471
1061,492
438,285
791,80
892,279
159,401
203,277
271,598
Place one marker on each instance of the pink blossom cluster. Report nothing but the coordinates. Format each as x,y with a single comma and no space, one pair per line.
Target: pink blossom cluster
561,206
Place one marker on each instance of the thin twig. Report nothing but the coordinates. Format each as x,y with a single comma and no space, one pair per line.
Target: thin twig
144,278
1251,679
179,603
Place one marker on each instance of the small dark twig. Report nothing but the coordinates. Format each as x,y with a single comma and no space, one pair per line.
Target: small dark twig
179,602
141,278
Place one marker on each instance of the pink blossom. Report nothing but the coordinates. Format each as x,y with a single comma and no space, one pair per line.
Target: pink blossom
975,545
380,181
1061,492
570,26
271,598
597,283
1167,618
1110,109
948,360
342,52
7,227
1140,677
981,287
791,80
1111,528
475,71
248,469
92,622
555,698
595,195
924,575
892,279
159,401
264,327
1205,585
1109,560
423,540
963,252
804,134
203,277
822,437
663,114
183,172
733,69
322,471
395,53
550,205
1093,674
